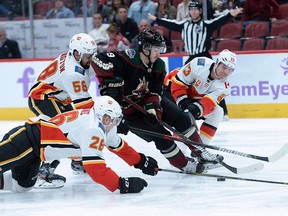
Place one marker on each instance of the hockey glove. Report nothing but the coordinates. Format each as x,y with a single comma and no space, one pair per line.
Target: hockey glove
148,165
131,185
195,108
123,127
154,113
113,88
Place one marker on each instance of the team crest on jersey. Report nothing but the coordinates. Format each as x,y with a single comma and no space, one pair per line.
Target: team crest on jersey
141,89
79,70
130,53
187,70
201,62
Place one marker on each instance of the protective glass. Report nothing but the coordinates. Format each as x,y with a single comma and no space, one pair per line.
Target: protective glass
117,120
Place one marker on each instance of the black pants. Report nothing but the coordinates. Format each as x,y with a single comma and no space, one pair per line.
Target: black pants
20,153
48,107
172,115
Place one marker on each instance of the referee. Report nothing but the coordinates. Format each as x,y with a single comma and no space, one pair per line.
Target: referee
196,32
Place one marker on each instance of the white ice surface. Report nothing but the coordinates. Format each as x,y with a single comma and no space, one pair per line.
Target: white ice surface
170,193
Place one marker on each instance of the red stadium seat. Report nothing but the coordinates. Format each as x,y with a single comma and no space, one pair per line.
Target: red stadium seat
41,8
176,36
230,31
256,29
277,43
283,11
177,46
254,44
232,45
176,2
279,28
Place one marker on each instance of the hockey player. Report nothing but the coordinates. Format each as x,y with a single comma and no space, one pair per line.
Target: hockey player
139,75
199,86
63,85
81,133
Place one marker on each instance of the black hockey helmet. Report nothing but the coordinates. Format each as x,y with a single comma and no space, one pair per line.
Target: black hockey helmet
195,4
150,37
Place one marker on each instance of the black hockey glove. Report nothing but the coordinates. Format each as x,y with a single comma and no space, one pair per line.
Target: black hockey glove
154,113
113,88
131,185
195,108
148,165
123,127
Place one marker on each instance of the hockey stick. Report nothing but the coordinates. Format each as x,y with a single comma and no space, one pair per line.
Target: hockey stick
237,170
222,177
251,168
272,158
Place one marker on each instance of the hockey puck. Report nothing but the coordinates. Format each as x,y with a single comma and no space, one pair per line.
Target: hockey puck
221,179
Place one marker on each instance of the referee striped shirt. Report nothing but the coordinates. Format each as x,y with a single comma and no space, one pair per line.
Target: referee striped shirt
196,35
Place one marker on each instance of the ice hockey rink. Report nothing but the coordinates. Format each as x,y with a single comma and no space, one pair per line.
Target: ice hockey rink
173,193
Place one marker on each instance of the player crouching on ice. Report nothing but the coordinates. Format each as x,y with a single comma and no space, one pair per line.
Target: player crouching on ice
82,133
198,87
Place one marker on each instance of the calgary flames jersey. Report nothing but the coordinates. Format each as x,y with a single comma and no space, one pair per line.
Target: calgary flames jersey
65,80
194,80
79,133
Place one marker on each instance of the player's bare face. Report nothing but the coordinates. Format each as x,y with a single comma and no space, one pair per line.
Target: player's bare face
223,71
86,60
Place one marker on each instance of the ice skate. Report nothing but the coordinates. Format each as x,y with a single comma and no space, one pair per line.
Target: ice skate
77,167
208,157
193,167
46,177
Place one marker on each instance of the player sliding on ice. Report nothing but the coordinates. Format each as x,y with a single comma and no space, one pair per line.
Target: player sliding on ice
138,74
82,133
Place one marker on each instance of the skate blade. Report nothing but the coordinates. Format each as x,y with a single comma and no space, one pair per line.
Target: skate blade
42,184
210,166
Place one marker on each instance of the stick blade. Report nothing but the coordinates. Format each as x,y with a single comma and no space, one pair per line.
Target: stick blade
279,154
246,169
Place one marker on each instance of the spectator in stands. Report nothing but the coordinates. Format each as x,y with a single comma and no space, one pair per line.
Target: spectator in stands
59,11
144,24
5,12
8,48
101,8
128,27
117,42
165,10
99,33
183,10
113,17
260,10
139,10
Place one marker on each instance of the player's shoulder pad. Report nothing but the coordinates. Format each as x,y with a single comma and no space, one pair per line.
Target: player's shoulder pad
101,126
79,69
201,62
130,53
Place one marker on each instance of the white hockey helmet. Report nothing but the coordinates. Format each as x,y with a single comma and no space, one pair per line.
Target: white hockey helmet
106,105
83,43
228,58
